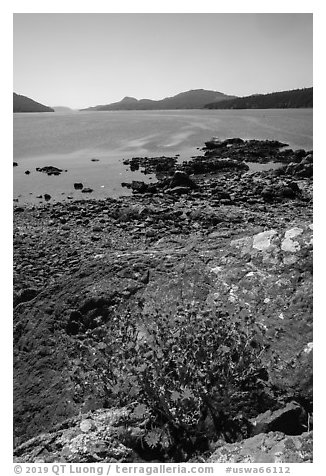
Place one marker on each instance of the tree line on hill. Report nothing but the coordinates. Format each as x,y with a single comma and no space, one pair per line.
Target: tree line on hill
297,98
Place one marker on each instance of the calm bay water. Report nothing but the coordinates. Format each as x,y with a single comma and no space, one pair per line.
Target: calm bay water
71,140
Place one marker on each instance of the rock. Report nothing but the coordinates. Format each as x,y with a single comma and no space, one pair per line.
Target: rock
220,193
214,144
286,192
181,179
298,155
291,420
86,425
138,186
308,159
99,436
273,447
158,165
27,172
178,190
235,140
49,169
25,295
87,190
47,197
268,193
303,168
78,185
306,171
204,165
15,164
154,253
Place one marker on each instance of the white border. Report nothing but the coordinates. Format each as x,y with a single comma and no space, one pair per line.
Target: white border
168,6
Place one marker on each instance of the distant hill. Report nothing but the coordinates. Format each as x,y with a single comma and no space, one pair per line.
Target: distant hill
25,104
62,109
297,98
194,99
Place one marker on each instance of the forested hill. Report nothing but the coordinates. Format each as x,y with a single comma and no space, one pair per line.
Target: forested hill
297,98
194,99
25,104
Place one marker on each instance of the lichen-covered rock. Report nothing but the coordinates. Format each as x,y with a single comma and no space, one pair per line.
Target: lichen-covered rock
273,447
93,437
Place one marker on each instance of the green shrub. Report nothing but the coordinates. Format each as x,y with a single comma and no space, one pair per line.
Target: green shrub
196,375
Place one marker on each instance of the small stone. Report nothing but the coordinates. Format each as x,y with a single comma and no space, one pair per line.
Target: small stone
78,186
86,425
27,172
87,190
262,241
309,347
15,164
47,196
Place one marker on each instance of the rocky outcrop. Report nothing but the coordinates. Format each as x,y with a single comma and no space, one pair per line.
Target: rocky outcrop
302,167
274,447
229,161
150,165
239,243
118,435
268,273
101,436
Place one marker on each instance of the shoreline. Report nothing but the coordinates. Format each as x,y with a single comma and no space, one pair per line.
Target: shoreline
207,232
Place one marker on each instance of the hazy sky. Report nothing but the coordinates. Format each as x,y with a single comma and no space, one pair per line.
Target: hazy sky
81,60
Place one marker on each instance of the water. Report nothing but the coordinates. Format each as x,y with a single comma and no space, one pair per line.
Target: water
70,140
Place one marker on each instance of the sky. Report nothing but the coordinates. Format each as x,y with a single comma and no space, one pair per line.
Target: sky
81,60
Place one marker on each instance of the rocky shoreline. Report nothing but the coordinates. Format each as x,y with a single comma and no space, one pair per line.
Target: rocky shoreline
208,233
